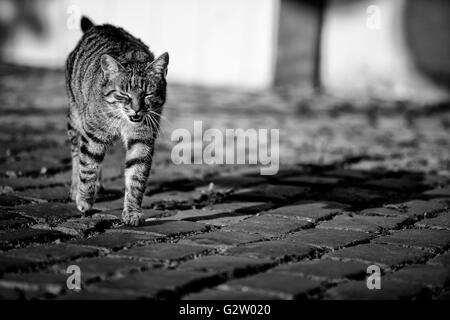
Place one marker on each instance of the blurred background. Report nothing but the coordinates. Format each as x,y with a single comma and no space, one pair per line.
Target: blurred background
341,79
386,49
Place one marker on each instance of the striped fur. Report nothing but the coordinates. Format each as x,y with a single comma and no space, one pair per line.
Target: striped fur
116,88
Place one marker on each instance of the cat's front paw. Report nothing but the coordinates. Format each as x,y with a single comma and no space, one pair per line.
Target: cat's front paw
82,204
133,217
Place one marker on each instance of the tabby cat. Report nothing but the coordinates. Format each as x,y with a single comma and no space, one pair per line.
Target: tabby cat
116,88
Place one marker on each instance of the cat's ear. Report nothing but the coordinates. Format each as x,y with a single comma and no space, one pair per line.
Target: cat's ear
109,65
160,64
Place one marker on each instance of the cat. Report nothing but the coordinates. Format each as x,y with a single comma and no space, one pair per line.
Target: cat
116,88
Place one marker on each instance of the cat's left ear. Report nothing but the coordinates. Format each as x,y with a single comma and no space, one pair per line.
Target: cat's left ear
160,64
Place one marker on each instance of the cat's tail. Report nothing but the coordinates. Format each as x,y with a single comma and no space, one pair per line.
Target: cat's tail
86,24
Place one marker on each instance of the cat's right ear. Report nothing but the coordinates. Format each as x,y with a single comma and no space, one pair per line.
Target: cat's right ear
109,66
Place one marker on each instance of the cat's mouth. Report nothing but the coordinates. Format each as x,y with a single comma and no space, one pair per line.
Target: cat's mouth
136,118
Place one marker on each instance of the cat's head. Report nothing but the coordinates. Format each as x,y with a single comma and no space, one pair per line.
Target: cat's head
136,89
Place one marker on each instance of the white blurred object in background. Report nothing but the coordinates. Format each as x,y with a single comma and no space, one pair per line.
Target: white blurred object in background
211,42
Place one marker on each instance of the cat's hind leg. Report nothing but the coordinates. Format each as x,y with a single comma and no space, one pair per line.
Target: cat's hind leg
74,138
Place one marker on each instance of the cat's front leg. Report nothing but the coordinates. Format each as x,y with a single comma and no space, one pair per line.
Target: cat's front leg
137,168
91,155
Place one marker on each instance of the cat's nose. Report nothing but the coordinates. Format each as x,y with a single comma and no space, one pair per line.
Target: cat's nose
136,108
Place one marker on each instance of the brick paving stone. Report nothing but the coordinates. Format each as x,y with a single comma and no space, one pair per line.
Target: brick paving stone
420,238
115,240
310,180
271,193
9,224
443,192
103,267
208,189
78,227
235,181
116,214
269,226
390,290
441,222
228,294
435,180
221,239
356,195
361,223
312,211
17,238
445,201
50,155
168,227
325,268
287,286
224,265
10,294
21,183
382,254
397,184
59,193
414,208
7,214
219,210
162,251
240,207
108,195
225,221
49,211
113,214
350,174
12,147
109,204
13,264
10,220
441,260
387,211
332,239
35,283
272,250
172,200
445,295
430,275
27,167
11,201
51,253
194,214
87,295
425,208
156,283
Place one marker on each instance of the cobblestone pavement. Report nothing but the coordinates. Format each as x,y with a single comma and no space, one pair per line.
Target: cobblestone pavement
360,183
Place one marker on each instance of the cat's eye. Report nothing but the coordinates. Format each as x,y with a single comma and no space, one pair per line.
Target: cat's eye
122,98
148,98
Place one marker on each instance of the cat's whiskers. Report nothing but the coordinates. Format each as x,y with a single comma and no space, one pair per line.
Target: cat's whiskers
159,115
154,124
